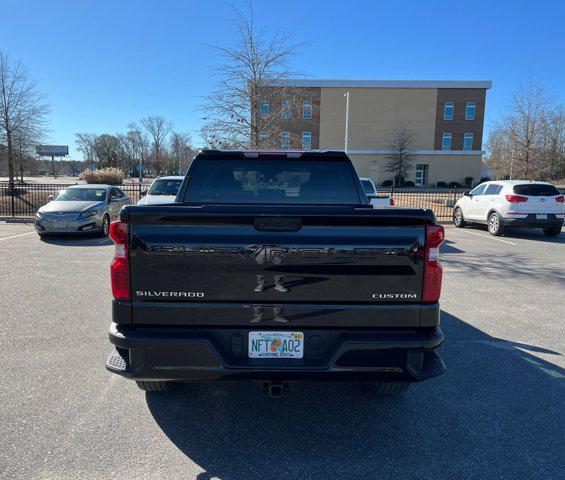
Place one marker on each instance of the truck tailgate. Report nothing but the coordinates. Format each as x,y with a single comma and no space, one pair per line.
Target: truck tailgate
196,260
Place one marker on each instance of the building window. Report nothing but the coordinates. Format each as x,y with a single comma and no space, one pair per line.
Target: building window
421,175
446,141
307,109
470,111
285,140
264,109
263,135
448,111
285,110
306,140
468,141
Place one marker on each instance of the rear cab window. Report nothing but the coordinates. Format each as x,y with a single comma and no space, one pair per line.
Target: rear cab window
272,181
536,190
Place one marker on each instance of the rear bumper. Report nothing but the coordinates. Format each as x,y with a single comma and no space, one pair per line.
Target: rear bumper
530,221
180,354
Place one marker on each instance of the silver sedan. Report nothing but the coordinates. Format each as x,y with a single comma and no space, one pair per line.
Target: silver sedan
81,209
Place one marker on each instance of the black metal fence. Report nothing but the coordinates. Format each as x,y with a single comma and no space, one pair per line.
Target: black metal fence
440,200
23,200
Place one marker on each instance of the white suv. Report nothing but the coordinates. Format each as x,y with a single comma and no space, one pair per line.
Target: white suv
512,203
163,190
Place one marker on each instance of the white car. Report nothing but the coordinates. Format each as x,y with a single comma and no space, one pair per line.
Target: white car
512,203
162,190
371,192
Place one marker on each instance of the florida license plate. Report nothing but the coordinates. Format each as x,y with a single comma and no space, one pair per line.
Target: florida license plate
276,344
541,216
59,224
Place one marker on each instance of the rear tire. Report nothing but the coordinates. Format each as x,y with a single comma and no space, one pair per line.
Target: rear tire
458,219
388,388
495,225
151,386
552,231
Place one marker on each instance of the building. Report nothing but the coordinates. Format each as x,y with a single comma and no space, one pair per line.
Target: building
443,118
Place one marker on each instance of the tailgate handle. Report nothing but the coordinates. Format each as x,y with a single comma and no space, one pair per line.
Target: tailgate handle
278,224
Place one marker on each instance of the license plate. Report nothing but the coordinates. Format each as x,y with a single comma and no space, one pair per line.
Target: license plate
541,216
59,224
276,344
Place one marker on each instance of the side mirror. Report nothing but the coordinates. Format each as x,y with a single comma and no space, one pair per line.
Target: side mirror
467,194
50,198
143,193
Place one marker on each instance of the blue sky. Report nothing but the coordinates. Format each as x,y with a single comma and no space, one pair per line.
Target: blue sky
106,63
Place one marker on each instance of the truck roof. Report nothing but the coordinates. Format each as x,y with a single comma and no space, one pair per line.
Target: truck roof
289,154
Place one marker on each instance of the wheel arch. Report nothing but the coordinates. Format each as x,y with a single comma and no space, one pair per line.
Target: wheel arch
491,211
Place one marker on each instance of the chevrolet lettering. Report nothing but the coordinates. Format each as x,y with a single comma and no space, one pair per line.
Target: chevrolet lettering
142,293
395,296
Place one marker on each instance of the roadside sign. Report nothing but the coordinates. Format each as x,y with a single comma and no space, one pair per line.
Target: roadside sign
52,150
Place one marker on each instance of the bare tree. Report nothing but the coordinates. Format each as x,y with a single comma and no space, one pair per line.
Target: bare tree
553,143
127,152
181,152
22,106
208,136
140,145
85,144
247,71
401,144
24,142
158,129
107,150
528,142
25,139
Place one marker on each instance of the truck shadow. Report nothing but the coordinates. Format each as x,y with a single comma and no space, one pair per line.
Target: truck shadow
497,412
448,247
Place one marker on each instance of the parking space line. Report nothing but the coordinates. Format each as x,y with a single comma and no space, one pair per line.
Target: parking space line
490,237
16,236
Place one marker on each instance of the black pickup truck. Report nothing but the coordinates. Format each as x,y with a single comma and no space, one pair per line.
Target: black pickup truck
273,266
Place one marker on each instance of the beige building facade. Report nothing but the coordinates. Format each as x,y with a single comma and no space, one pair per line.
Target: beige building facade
444,120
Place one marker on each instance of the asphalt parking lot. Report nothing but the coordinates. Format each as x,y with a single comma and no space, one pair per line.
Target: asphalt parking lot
498,412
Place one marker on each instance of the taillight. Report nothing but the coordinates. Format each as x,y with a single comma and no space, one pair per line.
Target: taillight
432,268
119,268
516,199
392,202
559,199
